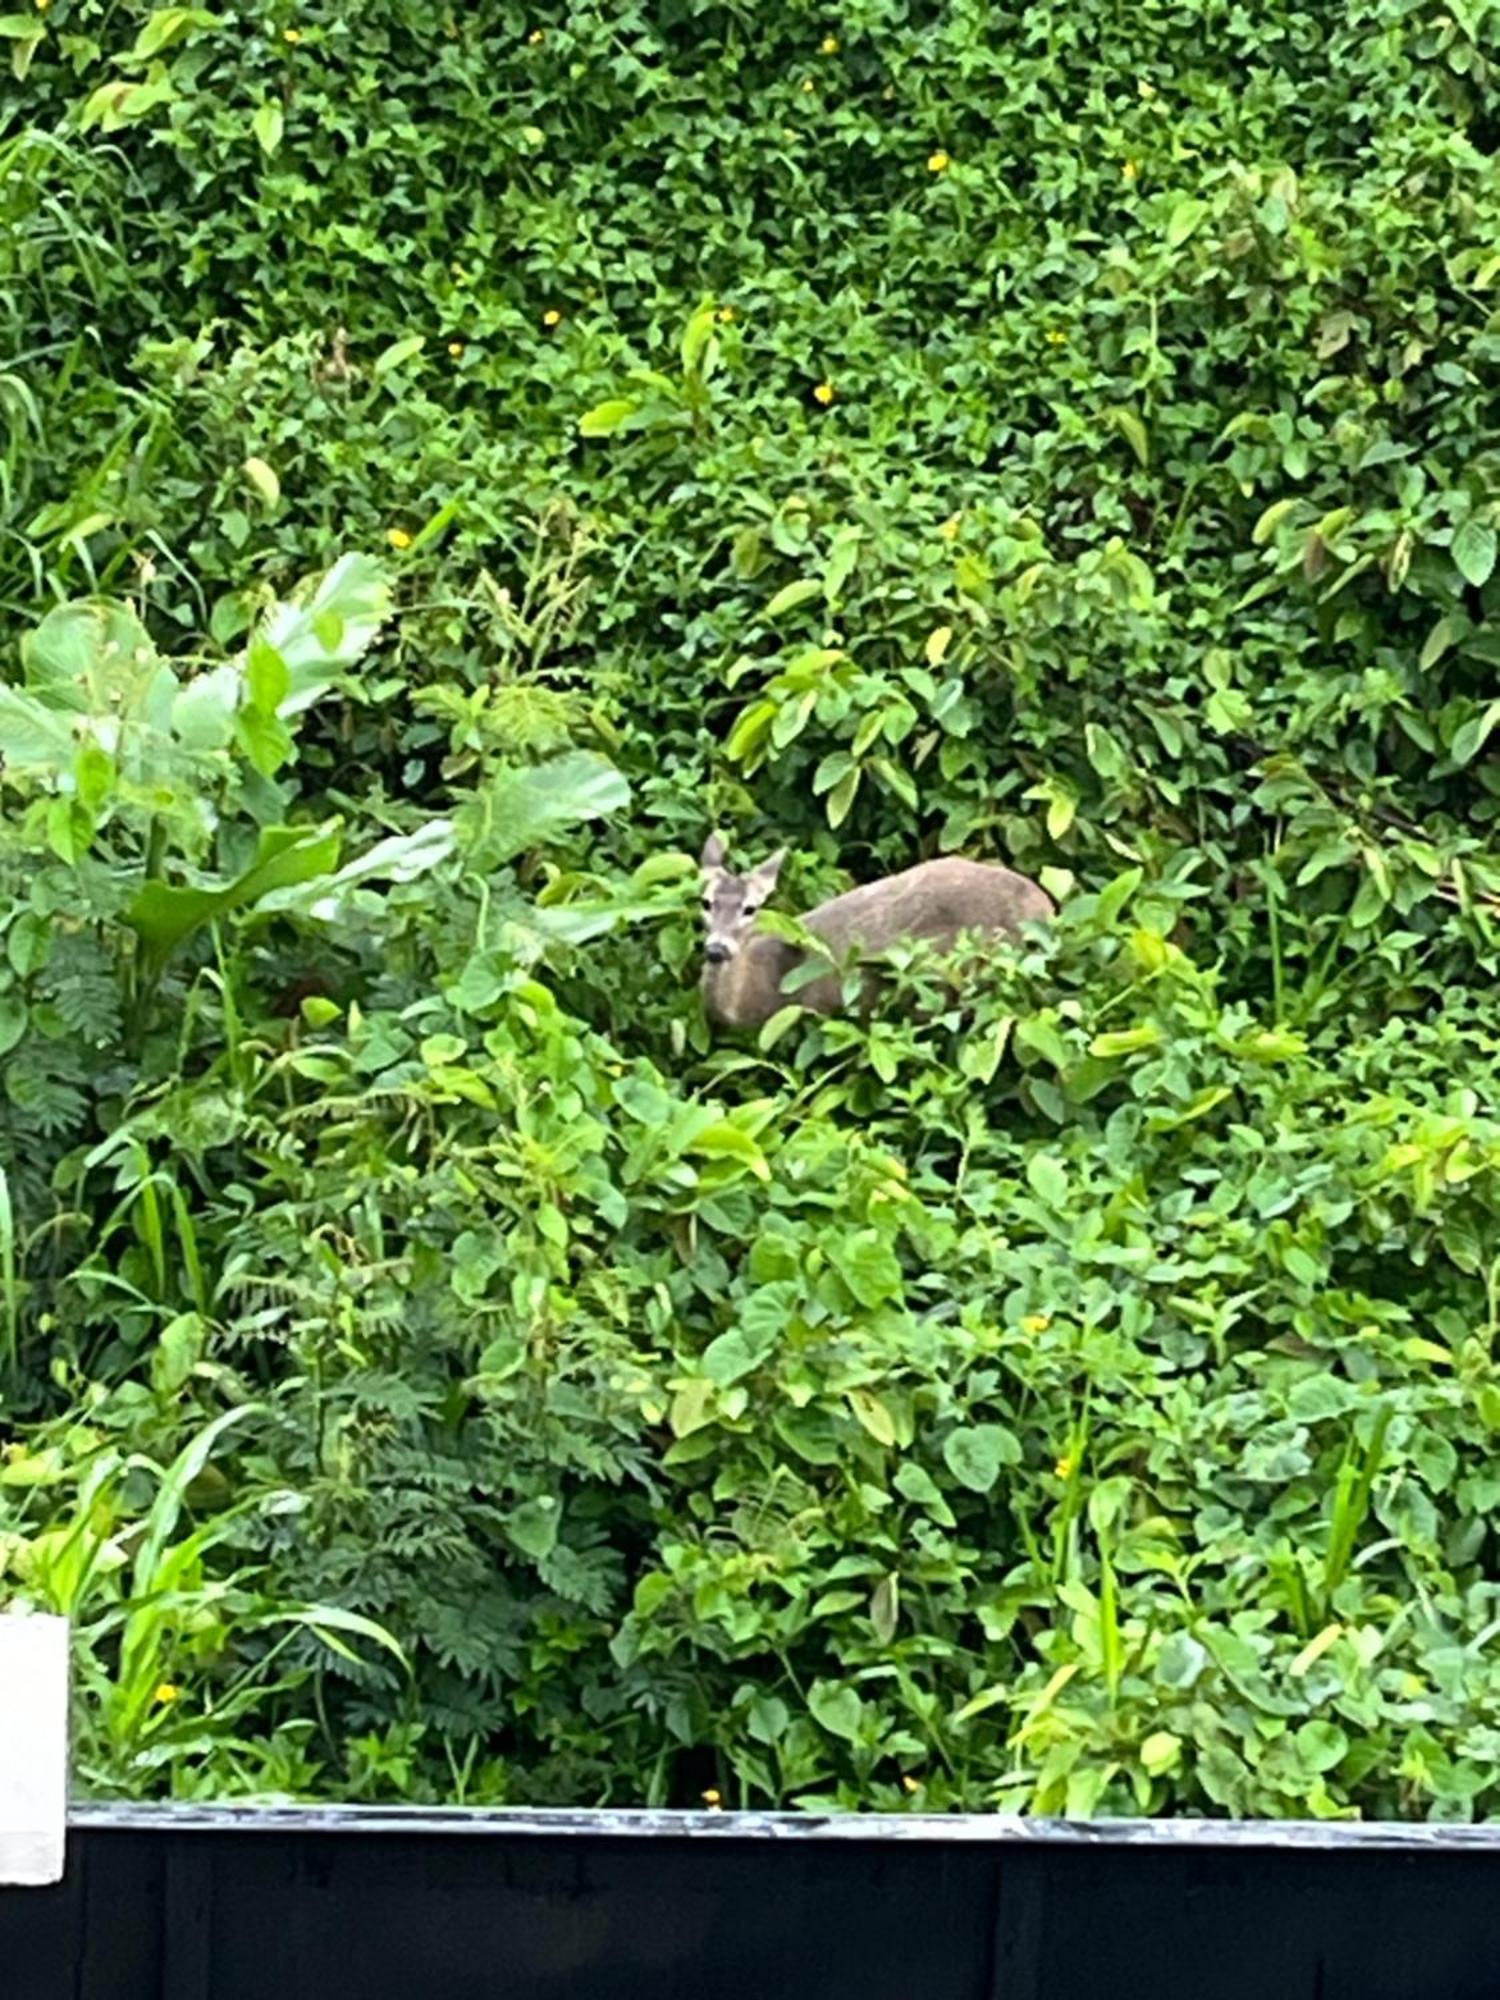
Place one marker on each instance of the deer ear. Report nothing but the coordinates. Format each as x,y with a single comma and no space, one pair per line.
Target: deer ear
765,875
713,853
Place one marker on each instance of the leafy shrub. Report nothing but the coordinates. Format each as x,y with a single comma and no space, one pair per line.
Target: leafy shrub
1063,433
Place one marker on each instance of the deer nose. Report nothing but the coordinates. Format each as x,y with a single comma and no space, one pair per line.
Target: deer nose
716,951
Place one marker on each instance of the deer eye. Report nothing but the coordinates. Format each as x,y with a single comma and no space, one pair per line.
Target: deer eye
751,908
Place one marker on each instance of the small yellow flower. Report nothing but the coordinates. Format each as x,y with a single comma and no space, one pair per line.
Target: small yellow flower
823,394
552,317
165,1693
725,315
911,1784
1130,170
807,83
456,348
938,162
949,528
1064,1468
43,5
713,1799
830,45
1057,338
537,37
291,34
398,538
1036,1323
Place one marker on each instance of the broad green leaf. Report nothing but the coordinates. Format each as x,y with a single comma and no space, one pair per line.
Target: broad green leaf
399,352
164,914
1184,217
839,1710
525,807
608,417
268,124
1474,551
263,479
977,1453
533,1526
801,591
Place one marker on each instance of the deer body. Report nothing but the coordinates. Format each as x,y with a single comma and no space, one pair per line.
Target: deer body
743,970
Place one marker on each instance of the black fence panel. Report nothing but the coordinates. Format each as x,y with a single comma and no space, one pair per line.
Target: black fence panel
239,1904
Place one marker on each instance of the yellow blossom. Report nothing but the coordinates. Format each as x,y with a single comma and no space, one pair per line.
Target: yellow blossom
552,317
1057,338
398,538
807,83
1130,170
949,528
823,394
938,162
43,5
1036,1322
713,1799
725,315
1064,1468
291,34
166,1692
455,348
830,45
911,1784
537,37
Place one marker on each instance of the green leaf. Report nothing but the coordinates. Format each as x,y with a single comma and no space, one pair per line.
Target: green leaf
164,915
839,1710
524,808
268,124
398,353
868,1266
1471,736
1134,432
167,26
1180,1661
608,417
263,479
1049,1180
802,591
873,1415
977,1453
1474,552
533,1526
1184,217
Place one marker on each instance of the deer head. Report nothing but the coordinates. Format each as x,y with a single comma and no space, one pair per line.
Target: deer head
730,901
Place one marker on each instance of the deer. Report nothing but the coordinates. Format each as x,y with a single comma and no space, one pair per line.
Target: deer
744,969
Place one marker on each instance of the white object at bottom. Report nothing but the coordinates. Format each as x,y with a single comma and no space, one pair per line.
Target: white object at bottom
33,1748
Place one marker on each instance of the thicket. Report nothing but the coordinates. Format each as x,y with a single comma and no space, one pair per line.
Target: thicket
452,457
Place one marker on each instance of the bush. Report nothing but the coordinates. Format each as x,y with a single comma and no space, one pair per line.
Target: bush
1060,433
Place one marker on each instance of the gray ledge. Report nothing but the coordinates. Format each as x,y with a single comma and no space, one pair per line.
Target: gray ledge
1000,1829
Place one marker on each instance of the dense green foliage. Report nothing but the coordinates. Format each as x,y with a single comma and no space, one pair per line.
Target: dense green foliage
432,1366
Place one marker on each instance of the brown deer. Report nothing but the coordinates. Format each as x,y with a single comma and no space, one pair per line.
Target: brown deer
743,969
